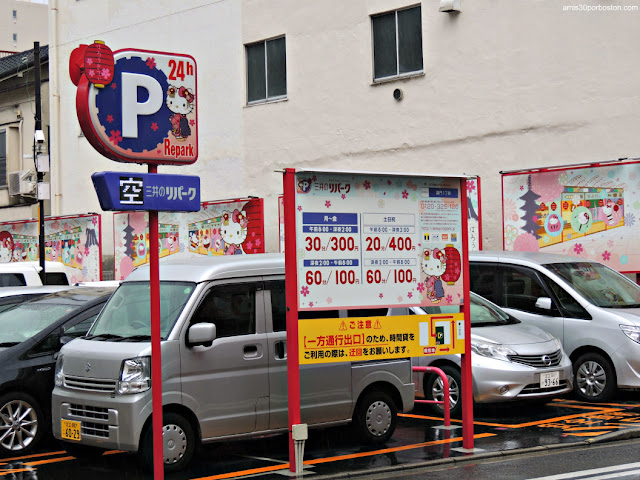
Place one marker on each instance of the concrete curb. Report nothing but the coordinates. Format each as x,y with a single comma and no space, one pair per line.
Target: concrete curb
609,437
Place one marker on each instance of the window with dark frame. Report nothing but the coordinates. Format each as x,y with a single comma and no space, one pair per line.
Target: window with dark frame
266,70
3,158
397,43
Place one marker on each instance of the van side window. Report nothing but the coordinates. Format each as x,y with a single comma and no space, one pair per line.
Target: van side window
567,302
278,305
56,278
521,288
483,280
12,280
232,308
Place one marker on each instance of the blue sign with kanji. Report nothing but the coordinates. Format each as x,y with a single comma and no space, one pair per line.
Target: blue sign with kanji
147,191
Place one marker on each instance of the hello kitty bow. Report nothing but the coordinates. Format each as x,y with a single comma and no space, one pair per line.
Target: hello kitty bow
183,92
437,254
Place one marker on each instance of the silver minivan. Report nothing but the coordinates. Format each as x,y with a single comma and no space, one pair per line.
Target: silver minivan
224,367
591,308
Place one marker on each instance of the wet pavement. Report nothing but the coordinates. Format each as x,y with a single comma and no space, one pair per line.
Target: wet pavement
331,453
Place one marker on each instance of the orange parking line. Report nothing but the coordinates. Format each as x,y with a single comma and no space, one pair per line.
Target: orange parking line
395,449
587,434
242,473
520,425
273,468
35,455
51,460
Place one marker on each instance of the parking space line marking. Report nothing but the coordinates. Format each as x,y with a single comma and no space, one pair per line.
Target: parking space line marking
243,473
266,459
394,449
35,455
51,460
274,468
520,425
620,469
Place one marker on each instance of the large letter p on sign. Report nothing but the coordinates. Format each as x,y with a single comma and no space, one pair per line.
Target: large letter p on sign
130,106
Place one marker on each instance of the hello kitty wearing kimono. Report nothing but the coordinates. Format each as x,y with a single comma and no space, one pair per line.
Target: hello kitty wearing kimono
434,264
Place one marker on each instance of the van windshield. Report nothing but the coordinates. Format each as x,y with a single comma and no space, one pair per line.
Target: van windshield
127,316
599,284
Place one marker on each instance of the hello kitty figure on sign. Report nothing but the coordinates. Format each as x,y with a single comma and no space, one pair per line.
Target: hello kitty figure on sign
6,247
434,264
181,102
234,231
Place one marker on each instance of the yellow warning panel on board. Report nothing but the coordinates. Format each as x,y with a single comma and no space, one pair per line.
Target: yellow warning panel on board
324,340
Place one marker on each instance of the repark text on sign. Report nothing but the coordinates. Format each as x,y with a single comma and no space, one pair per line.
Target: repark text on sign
137,105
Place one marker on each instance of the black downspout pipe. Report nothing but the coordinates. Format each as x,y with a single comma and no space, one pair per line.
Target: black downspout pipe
38,126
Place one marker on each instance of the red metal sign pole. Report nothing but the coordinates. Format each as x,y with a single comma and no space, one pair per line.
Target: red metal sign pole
156,357
291,291
465,362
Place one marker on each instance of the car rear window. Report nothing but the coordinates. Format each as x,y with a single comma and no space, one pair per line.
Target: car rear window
12,280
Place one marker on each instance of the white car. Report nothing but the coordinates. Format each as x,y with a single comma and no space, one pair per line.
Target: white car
591,308
510,361
21,274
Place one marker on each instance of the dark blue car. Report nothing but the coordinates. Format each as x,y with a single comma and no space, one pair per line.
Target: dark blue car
31,333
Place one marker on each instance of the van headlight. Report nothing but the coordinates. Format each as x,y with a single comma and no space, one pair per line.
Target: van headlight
632,332
58,379
492,350
135,375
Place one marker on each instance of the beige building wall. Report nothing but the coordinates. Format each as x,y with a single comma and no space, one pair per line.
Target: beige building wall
17,120
506,85
29,24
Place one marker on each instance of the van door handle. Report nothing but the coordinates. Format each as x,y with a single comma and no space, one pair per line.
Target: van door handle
281,350
250,351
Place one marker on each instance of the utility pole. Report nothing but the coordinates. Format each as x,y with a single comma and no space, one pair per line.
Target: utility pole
38,138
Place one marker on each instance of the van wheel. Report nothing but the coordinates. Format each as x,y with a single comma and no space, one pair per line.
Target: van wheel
594,378
85,454
375,417
178,443
434,390
21,423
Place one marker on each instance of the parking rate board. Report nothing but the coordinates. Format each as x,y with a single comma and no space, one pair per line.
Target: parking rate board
377,240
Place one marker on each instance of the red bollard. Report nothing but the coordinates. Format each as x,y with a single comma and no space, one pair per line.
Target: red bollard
445,384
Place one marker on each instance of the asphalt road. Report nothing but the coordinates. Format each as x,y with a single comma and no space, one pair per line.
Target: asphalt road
547,433
620,460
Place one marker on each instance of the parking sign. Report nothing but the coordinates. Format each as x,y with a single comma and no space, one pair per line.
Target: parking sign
137,105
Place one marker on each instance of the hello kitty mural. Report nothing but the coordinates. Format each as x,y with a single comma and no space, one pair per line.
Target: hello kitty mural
6,247
590,211
228,227
234,231
73,241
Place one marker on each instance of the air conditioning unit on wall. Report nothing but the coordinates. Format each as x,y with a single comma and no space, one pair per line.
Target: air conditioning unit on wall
22,182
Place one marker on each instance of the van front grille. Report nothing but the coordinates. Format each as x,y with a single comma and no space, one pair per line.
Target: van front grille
95,429
86,411
538,361
90,384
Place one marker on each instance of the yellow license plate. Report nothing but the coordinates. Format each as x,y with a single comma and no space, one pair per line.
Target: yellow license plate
70,430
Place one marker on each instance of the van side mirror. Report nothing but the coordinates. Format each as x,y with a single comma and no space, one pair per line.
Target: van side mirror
201,334
544,303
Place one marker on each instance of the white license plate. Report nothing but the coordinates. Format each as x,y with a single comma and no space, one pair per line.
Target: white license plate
549,379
